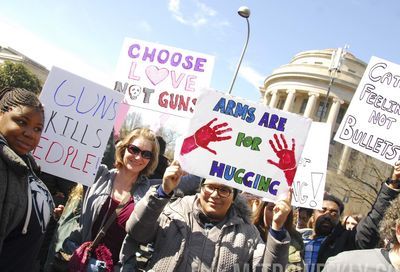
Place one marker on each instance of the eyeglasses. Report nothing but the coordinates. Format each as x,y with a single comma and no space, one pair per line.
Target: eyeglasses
222,191
134,150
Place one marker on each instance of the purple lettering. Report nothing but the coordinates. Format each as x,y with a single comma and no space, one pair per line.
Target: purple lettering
159,57
130,51
217,170
199,66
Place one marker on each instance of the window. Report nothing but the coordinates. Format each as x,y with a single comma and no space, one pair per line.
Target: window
281,103
320,107
303,106
340,116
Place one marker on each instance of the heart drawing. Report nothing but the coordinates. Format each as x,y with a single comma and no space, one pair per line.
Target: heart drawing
156,75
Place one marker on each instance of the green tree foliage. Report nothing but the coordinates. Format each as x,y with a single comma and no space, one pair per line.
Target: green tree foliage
17,75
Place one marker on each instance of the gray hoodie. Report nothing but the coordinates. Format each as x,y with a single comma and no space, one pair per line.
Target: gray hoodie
183,243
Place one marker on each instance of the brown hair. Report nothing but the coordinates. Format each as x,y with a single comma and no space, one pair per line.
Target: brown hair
258,219
355,216
390,221
134,134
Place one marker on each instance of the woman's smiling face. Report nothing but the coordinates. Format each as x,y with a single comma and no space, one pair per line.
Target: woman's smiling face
22,127
136,162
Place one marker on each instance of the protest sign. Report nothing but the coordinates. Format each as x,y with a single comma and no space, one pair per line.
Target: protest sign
162,78
79,116
244,145
371,122
309,181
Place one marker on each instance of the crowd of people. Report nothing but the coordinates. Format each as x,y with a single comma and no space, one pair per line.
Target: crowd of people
186,223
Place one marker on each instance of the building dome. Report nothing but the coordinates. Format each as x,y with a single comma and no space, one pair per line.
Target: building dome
301,87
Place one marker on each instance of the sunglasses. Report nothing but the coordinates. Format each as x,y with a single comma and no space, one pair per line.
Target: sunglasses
134,150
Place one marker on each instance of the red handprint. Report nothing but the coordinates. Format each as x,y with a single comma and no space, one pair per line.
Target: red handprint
287,160
204,135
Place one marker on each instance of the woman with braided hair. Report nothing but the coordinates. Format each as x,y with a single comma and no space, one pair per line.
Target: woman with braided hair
25,203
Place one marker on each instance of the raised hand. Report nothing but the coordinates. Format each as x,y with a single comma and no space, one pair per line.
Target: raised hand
396,171
287,160
57,212
281,211
395,176
172,177
204,136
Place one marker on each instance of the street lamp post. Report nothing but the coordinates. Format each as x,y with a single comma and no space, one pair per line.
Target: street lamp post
245,13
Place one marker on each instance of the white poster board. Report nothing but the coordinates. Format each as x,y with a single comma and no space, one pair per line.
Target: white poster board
309,182
162,78
244,145
371,122
79,116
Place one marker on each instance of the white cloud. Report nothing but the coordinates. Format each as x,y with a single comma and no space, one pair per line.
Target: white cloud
252,76
173,6
200,17
48,54
145,26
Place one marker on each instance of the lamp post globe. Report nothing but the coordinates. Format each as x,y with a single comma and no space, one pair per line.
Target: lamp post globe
244,12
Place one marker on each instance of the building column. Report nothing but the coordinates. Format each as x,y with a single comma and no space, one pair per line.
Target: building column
333,112
267,99
312,101
264,93
344,159
289,99
274,99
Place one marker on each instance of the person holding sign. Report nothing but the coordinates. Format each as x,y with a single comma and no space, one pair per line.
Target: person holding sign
262,218
136,158
210,231
378,259
26,204
330,238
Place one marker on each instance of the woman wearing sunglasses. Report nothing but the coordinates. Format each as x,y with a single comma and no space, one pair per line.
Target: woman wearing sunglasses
136,158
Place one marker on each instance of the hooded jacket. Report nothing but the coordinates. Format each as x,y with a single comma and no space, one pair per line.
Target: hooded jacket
234,243
15,206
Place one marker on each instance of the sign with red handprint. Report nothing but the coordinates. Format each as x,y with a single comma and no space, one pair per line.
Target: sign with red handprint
243,144
287,160
204,136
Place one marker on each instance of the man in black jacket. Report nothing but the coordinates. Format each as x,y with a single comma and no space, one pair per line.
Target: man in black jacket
330,238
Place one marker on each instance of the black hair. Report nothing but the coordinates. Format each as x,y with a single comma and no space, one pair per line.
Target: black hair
329,197
308,211
162,144
11,97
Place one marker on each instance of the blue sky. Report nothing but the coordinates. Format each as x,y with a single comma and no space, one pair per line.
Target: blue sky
86,36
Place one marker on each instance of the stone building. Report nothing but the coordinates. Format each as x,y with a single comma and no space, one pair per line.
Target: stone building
7,53
301,87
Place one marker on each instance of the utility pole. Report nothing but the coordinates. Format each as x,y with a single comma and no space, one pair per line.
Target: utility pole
336,62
